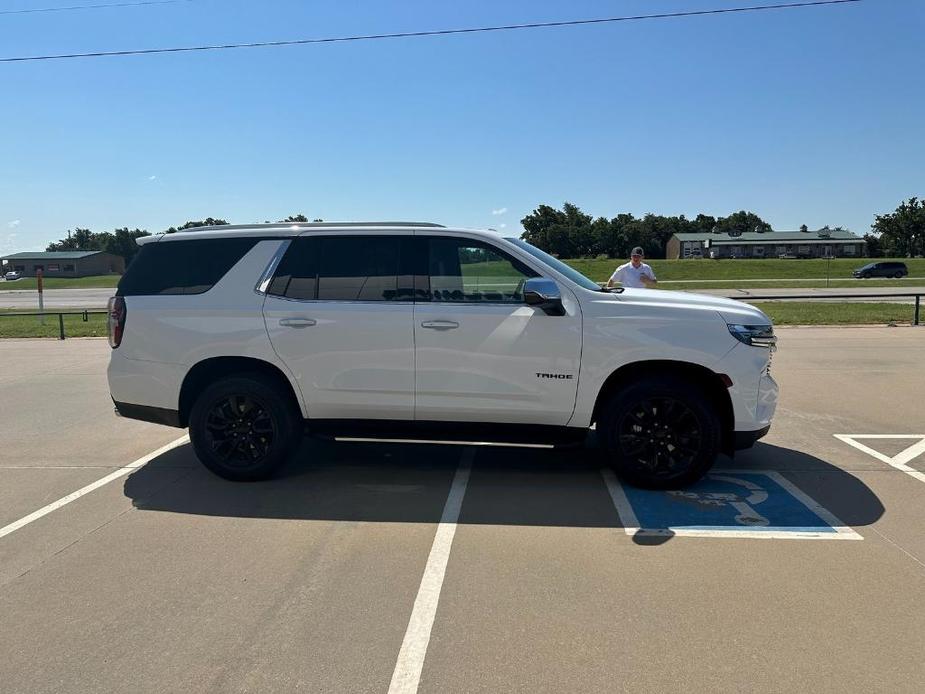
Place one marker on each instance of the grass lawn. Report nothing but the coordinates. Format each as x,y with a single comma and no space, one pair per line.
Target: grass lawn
752,269
828,313
101,281
897,286
12,325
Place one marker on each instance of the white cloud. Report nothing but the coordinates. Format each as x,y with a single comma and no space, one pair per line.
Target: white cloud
499,211
151,178
14,223
502,226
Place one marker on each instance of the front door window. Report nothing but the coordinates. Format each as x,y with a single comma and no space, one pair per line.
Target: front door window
465,271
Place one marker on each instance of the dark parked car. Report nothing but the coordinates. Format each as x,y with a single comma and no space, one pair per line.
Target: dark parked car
891,269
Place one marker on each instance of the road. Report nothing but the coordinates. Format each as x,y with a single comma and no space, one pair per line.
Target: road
478,569
97,298
27,300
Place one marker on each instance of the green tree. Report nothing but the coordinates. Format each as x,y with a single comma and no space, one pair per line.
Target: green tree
295,218
122,242
544,229
902,232
79,240
207,222
118,242
704,223
874,247
742,222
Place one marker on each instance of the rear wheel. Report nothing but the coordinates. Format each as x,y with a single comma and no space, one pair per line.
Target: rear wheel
898,275
244,427
661,434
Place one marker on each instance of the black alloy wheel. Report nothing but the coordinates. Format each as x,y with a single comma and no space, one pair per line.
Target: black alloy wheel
244,427
661,433
661,436
240,430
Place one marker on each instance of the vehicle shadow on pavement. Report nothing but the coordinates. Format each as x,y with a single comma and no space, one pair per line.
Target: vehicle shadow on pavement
836,490
408,483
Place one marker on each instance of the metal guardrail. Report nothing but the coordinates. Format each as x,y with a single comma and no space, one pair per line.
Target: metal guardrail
85,314
822,297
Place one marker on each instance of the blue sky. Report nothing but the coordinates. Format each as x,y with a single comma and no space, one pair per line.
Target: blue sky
809,116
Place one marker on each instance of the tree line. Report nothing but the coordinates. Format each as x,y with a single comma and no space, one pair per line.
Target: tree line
121,242
571,233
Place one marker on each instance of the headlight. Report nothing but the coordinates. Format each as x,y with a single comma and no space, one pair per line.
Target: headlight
754,335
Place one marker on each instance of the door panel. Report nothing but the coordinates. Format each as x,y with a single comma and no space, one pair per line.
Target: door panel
339,315
481,354
354,360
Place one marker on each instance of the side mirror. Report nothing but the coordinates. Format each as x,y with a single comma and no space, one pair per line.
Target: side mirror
544,294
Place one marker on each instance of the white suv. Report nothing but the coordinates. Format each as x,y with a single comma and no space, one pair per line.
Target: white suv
250,335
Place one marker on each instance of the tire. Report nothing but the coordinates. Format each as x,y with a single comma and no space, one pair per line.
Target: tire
898,275
252,447
681,445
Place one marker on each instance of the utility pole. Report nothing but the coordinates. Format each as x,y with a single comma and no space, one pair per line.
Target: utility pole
39,283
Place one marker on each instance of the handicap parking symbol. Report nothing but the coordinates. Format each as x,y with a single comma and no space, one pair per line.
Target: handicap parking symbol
728,503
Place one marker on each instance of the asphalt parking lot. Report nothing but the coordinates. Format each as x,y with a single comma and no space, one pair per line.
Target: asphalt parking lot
799,565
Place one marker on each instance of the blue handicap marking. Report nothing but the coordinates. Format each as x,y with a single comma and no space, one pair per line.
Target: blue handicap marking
732,503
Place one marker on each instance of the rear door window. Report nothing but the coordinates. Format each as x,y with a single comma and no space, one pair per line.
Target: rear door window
182,267
343,268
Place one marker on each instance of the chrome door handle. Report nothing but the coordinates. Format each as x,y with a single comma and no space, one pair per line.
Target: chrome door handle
440,324
296,322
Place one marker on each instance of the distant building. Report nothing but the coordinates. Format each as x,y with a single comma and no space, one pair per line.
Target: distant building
64,263
769,244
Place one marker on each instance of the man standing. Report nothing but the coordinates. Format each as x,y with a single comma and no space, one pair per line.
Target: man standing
634,273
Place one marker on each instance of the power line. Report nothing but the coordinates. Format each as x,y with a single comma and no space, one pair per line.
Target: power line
414,34
71,8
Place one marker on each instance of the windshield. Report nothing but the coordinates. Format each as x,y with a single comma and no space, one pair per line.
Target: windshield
556,264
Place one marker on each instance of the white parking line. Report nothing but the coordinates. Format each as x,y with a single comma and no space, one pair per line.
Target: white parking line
65,500
899,461
407,674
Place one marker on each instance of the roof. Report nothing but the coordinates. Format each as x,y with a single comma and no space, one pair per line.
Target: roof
283,229
773,237
51,255
310,225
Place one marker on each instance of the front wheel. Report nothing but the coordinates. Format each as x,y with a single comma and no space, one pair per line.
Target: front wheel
661,434
244,427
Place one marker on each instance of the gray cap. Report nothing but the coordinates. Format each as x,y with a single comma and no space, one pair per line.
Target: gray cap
637,251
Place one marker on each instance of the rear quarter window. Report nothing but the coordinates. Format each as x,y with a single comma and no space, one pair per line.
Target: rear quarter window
182,267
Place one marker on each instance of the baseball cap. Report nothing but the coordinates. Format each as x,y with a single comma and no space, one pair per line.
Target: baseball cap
637,251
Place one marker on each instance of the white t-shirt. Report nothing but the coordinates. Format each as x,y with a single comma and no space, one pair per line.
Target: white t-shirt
628,276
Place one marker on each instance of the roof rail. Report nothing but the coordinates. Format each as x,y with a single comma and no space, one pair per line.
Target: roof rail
312,225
